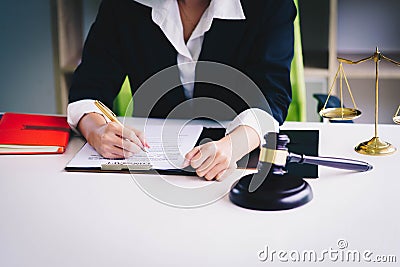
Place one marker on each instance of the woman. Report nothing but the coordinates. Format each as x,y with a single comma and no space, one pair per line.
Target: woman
142,38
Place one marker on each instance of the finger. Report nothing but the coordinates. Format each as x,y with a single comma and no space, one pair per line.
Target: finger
111,152
199,159
212,173
185,164
111,140
128,146
124,144
192,153
220,164
221,175
120,153
206,166
141,137
207,158
207,154
226,172
132,137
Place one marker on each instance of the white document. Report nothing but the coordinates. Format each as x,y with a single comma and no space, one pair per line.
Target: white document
168,146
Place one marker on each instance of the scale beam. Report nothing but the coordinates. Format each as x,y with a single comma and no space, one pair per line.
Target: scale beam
374,146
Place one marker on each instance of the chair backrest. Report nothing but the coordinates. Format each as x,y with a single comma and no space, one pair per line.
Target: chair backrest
297,109
123,103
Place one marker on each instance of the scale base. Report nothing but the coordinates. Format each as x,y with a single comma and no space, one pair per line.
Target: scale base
375,147
278,192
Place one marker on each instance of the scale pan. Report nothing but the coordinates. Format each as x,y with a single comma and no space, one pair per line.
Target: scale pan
340,114
396,119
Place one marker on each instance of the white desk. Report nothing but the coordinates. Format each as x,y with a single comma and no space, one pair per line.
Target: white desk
53,218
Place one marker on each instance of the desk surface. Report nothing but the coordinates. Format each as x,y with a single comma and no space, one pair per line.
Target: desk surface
50,217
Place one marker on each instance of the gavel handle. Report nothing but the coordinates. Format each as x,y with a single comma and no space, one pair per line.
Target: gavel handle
340,163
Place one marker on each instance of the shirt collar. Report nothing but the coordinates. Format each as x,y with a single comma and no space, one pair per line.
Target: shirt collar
165,13
220,9
227,9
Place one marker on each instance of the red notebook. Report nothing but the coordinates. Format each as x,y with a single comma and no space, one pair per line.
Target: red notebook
33,134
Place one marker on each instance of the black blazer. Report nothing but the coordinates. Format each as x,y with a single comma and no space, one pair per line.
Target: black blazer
125,41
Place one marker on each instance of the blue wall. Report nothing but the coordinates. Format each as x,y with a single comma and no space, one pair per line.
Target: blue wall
26,57
26,54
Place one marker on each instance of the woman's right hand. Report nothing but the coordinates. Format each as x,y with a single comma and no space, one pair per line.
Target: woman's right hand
111,140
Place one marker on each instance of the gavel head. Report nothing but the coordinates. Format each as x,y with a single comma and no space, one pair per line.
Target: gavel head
273,154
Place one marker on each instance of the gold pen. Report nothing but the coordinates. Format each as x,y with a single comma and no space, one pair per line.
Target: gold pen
112,117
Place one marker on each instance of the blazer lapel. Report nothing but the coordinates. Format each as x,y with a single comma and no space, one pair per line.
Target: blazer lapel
222,40
221,44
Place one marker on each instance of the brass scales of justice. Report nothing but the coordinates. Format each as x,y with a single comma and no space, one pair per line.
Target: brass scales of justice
374,146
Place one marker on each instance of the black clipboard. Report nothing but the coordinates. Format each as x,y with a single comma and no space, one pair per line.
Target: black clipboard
301,142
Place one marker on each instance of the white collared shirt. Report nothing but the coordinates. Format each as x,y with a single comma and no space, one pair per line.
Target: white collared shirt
165,13
167,16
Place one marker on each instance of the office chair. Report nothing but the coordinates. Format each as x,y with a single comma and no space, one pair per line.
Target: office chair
297,109
123,106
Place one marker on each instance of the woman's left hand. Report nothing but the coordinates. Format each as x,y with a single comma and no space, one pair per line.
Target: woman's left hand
212,159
